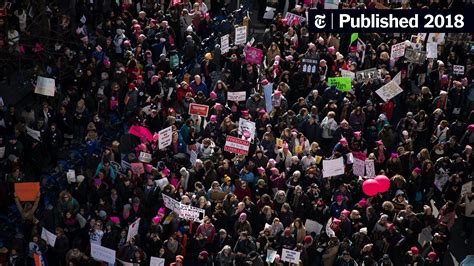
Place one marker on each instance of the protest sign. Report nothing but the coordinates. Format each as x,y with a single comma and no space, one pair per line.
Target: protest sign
389,90
236,145
364,75
124,263
247,126
309,65
291,256
27,191
398,78
125,165
198,109
236,96
193,157
331,4
359,155
466,188
133,229
370,168
240,35
333,167
347,74
271,255
415,56
145,157
171,203
458,70
154,261
71,176
165,136
192,213
101,253
432,50
358,168
441,177
425,236
349,158
137,168
253,55
313,226
49,237
2,152
268,91
269,12
290,17
35,134
436,38
398,50
225,44
45,86
341,83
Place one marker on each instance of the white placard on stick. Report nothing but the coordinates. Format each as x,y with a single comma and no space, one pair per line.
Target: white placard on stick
45,86
389,90
192,213
171,203
236,96
49,237
347,74
71,176
165,137
104,254
269,12
291,256
333,167
133,229
240,35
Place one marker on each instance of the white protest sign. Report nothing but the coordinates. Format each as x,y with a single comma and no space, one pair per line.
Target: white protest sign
349,158
193,157
133,229
268,90
171,203
165,137
358,168
458,70
49,237
240,35
236,96
144,157
290,256
101,253
2,152
398,78
389,90
466,188
333,167
247,126
154,261
398,50
71,176
313,226
347,74
431,50
271,255
189,212
369,168
425,236
35,134
329,230
45,86
81,220
269,12
225,44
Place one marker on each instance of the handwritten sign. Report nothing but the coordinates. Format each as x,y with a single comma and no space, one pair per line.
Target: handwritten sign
144,157
313,226
269,12
333,167
236,96
165,138
341,83
347,74
432,50
358,168
49,237
171,203
290,256
389,90
370,168
137,168
189,212
154,261
225,44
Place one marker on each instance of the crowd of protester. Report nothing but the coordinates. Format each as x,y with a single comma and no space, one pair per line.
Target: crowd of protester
119,64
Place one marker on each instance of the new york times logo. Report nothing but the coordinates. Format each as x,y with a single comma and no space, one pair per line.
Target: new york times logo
346,20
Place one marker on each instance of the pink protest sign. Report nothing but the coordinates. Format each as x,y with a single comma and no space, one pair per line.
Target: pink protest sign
253,55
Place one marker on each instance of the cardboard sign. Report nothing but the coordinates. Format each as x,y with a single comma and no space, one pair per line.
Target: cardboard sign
458,70
290,256
313,226
341,83
432,50
240,35
466,188
171,203
269,12
35,134
333,167
309,65
247,126
364,75
370,168
49,237
144,157
45,86
154,261
236,145
133,229
236,96
253,55
27,191
389,90
192,213
268,91
347,74
165,137
398,50
137,168
198,109
225,44
104,254
416,57
290,17
358,168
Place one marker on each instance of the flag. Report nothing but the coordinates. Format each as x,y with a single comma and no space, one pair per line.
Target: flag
39,259
354,37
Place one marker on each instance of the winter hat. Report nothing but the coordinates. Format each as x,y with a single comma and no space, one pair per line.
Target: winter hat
336,221
102,214
339,198
339,56
213,95
308,240
414,250
115,220
345,213
226,178
343,141
161,210
432,255
362,203
417,170
156,219
261,170
363,230
204,254
213,118
243,216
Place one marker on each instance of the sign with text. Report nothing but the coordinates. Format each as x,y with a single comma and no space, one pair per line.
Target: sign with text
293,18
165,137
341,83
240,35
49,237
192,213
291,256
398,50
236,145
458,70
333,167
45,86
144,157
253,55
198,109
236,96
225,44
309,65
364,75
104,254
247,129
133,229
389,90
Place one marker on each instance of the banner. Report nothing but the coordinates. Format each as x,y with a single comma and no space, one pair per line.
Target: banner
290,256
416,57
192,213
398,50
49,237
333,167
458,70
154,261
144,157
309,65
432,50
313,226
171,203
347,74
253,55
27,191
198,109
165,137
268,91
225,44
389,90
341,83
364,75
290,17
240,35
370,168
101,253
236,145
45,86
236,96
358,168
133,229
137,168
247,126
35,134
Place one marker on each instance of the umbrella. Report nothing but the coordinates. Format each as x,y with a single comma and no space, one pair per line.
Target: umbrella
140,131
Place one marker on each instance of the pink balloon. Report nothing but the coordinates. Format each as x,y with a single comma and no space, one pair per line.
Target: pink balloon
384,183
370,187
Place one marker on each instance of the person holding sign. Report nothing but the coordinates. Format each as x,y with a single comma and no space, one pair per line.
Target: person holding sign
27,212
